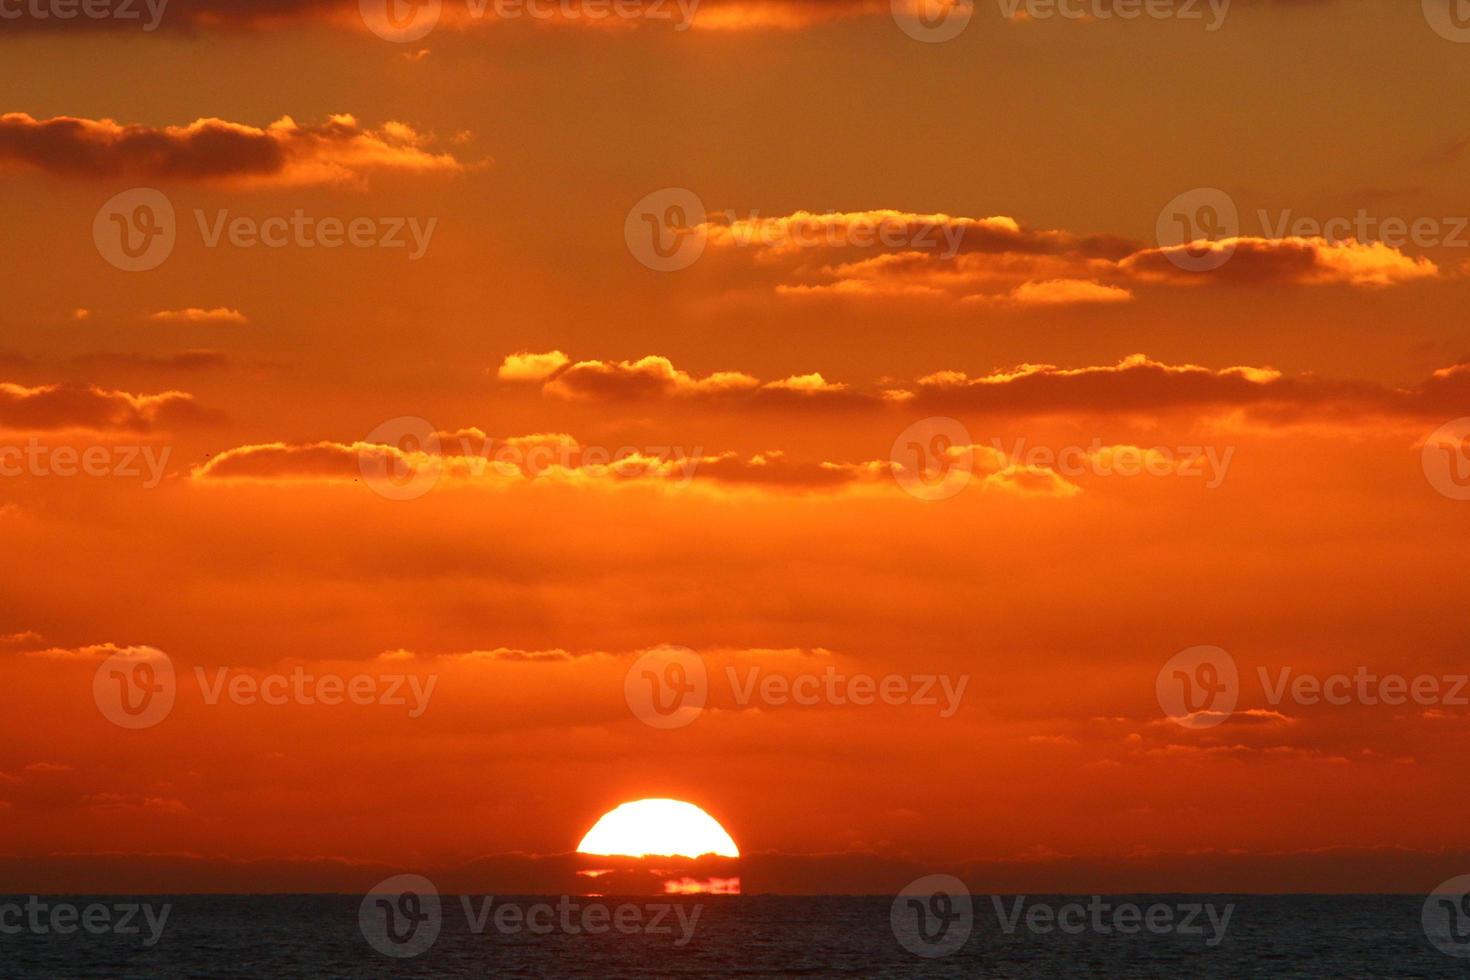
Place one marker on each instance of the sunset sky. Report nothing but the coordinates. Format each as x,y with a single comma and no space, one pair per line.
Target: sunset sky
760,401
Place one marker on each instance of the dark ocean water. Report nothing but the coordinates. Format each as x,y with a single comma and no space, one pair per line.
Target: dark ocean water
733,936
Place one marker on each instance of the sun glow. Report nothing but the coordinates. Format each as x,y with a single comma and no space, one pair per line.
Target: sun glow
665,828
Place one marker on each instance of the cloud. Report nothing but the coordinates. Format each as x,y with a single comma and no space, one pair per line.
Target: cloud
1063,292
149,804
1135,385
655,376
526,366
1141,385
712,15
904,231
1299,261
285,153
66,406
99,651
470,457
809,383
257,15
194,314
1000,263
651,375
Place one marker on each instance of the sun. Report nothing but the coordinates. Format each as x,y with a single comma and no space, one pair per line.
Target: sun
664,828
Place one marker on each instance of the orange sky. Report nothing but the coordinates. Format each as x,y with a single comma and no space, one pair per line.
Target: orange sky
887,232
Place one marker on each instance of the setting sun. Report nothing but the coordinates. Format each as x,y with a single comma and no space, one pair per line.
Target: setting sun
658,827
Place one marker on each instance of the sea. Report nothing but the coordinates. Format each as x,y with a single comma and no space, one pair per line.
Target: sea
317,936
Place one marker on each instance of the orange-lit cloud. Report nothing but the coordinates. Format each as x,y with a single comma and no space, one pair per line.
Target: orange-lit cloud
283,153
1300,261
66,406
999,262
1136,384
194,314
469,457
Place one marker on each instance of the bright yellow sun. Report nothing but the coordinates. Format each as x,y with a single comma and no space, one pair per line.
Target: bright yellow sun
666,828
